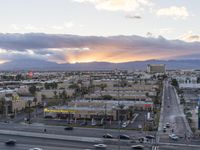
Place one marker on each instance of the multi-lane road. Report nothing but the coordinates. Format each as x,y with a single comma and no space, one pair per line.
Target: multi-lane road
78,131
25,143
172,113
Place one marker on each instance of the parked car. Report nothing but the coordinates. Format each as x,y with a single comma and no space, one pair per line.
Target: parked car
11,142
68,128
124,137
94,124
83,124
108,136
100,146
137,147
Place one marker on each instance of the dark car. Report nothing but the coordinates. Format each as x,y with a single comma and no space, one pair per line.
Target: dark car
150,137
124,137
167,125
164,129
108,136
83,124
137,147
10,142
69,128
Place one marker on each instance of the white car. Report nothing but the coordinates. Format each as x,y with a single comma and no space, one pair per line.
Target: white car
173,136
35,148
124,125
103,146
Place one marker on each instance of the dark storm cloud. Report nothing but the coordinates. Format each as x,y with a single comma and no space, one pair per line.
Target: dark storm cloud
42,45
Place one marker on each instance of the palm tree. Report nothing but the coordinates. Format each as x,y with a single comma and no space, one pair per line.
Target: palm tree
35,101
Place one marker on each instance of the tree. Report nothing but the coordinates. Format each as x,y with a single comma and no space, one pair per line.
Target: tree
35,101
19,77
174,82
131,111
106,97
32,89
198,79
46,85
74,86
55,94
103,86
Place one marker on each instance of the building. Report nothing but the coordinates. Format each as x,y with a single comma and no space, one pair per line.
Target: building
156,68
97,109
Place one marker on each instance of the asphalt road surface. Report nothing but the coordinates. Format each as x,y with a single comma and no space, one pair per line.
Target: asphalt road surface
172,114
25,143
78,131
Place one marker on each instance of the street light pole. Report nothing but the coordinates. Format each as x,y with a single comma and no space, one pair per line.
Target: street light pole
119,123
29,112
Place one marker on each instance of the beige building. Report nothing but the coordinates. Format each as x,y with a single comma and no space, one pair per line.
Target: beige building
156,68
97,109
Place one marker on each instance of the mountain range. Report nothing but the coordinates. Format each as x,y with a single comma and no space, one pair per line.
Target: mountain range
43,65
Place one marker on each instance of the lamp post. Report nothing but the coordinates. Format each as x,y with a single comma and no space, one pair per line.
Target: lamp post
29,111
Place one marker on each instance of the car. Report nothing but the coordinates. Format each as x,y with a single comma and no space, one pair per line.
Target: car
47,117
100,146
83,124
108,136
6,121
94,124
143,140
140,126
68,128
99,124
36,148
124,125
10,142
124,137
164,129
150,137
167,125
137,147
173,137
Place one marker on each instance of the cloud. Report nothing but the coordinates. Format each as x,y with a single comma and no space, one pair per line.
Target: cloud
118,5
164,31
69,24
34,28
73,48
133,17
174,12
190,37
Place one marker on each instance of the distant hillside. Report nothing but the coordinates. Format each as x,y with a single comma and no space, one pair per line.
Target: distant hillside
34,64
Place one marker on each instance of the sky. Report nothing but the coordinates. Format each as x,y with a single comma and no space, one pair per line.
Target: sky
70,31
